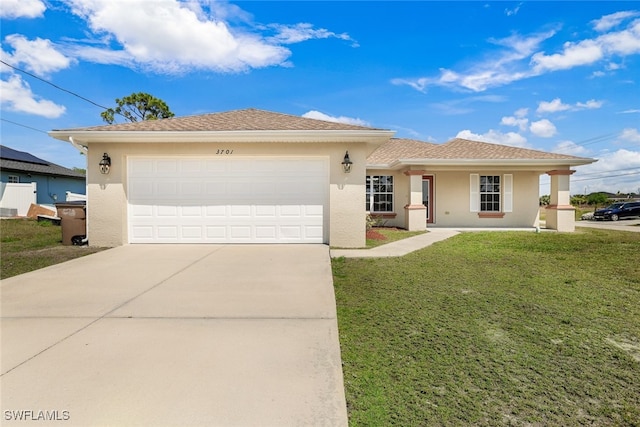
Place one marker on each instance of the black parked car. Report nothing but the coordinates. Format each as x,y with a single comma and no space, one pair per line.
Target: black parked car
618,210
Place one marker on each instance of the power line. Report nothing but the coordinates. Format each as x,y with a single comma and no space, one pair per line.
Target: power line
594,140
617,170
56,86
24,126
607,176
599,177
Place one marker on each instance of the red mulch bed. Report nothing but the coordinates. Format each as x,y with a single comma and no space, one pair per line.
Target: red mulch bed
375,235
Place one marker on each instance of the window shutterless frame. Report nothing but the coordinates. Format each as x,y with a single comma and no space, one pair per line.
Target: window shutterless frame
379,196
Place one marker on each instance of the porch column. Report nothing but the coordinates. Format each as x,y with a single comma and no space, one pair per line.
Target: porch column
560,213
415,215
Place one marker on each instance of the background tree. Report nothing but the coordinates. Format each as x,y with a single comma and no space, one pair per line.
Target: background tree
137,107
578,200
597,199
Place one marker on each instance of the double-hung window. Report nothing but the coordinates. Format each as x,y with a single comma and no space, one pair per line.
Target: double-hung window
13,179
379,193
491,194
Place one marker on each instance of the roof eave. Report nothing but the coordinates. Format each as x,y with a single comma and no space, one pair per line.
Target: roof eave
577,161
538,163
249,136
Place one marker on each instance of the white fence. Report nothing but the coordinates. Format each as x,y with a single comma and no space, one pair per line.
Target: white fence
18,196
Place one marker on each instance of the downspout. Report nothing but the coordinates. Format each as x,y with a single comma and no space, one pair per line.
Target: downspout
80,148
84,150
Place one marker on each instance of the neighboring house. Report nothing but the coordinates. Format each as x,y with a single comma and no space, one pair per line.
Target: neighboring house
253,176
21,171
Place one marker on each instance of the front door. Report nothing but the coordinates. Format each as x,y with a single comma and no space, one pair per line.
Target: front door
427,196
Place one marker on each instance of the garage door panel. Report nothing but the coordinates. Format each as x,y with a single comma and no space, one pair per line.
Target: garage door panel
215,211
216,233
192,232
266,211
222,200
167,167
192,211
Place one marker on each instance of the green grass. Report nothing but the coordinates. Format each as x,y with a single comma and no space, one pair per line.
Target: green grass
494,328
27,245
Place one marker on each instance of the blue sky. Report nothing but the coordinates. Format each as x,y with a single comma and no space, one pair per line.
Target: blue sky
554,76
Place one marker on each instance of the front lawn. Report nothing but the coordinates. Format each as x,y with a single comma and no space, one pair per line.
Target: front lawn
494,328
28,245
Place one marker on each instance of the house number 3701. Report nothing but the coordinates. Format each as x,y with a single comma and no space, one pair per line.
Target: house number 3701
224,152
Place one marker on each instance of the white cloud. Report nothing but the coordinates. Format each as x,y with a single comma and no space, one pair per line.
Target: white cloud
12,9
521,57
288,34
543,128
613,20
589,51
631,135
557,105
612,66
168,37
573,55
174,37
510,138
614,171
591,104
630,111
552,106
17,96
515,121
571,148
521,112
498,70
340,119
38,56
514,11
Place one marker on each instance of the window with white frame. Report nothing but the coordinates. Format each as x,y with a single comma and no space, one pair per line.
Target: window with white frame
491,193
13,179
379,193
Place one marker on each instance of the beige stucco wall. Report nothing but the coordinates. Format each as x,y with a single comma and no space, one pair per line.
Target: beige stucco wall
344,216
451,198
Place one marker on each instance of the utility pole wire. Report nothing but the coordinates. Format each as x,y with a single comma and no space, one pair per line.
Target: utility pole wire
56,86
24,126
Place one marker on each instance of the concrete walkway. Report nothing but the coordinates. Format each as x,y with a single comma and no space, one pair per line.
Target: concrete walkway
182,335
436,234
398,248
406,246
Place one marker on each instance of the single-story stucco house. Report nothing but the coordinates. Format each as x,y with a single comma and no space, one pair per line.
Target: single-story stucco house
254,176
26,179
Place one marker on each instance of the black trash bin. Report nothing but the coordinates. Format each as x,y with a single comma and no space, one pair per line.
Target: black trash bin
73,219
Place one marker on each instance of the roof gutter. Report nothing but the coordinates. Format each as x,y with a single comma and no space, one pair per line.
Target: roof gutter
541,163
85,137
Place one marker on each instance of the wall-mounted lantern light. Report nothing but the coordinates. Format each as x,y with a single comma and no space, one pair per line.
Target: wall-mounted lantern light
105,164
346,163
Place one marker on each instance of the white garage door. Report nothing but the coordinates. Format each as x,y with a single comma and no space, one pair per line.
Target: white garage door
226,200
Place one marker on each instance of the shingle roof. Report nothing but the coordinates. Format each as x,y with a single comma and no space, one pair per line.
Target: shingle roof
400,148
457,149
20,161
249,119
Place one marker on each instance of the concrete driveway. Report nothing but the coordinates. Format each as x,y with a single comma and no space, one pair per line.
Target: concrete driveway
185,335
